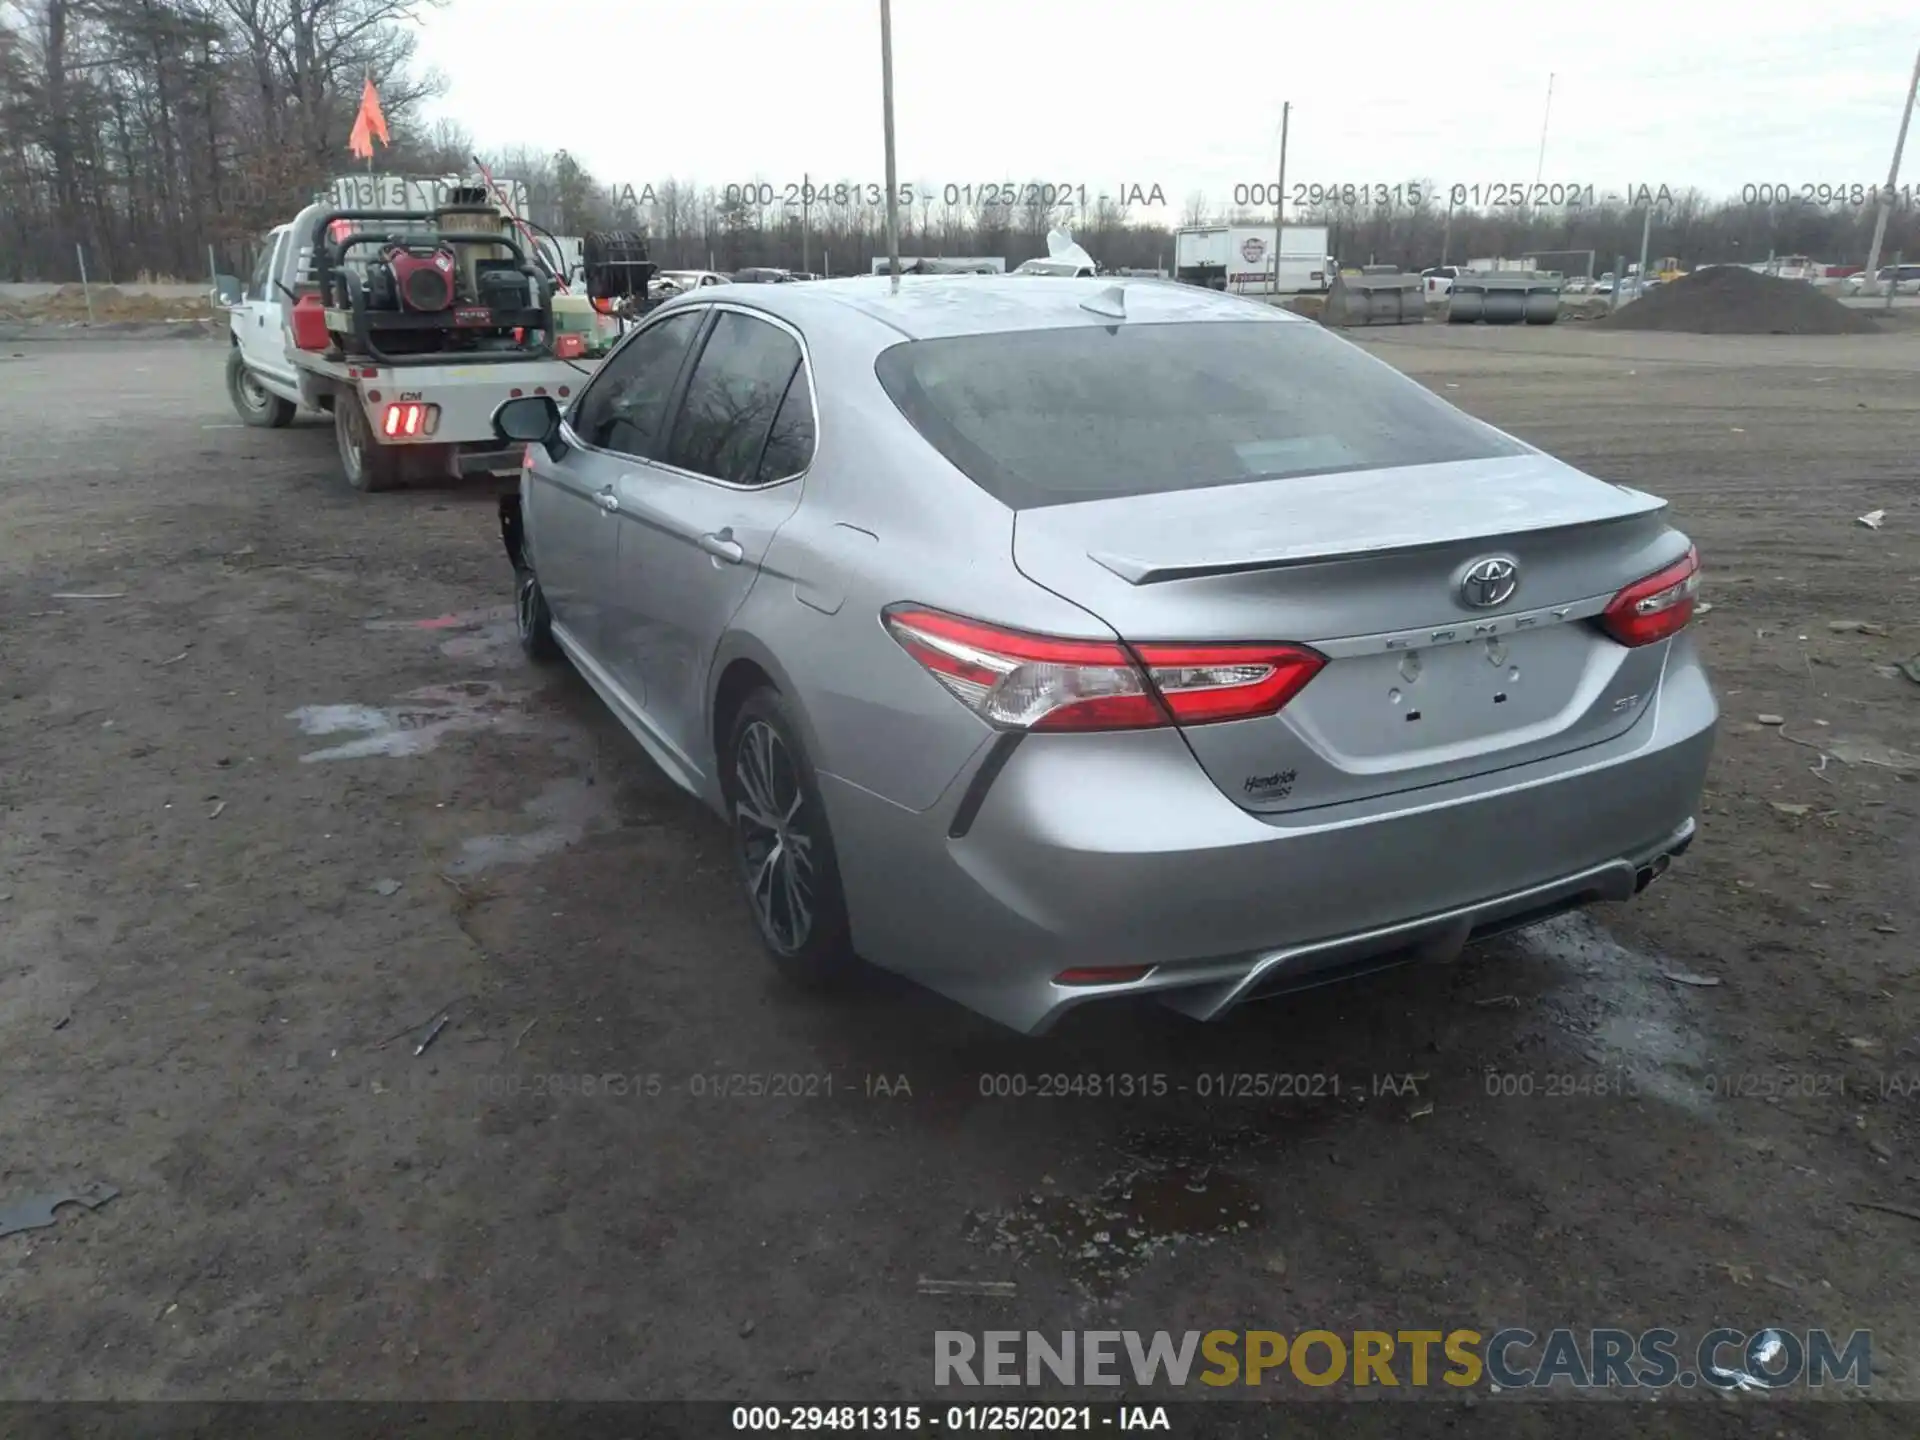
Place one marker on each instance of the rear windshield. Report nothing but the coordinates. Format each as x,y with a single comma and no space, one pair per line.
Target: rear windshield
1051,417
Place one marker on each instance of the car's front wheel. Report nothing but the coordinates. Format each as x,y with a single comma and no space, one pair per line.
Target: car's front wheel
782,845
256,405
532,620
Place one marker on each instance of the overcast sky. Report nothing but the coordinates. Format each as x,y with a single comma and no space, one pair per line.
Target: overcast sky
1188,97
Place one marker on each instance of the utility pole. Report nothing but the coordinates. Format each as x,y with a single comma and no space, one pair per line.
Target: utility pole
1646,234
1893,179
1280,195
806,197
1540,168
1446,235
886,102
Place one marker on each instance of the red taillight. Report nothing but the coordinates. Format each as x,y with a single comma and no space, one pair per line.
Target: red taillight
1204,683
1656,607
409,419
1020,681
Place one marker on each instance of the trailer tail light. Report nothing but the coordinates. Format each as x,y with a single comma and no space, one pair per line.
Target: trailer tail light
1656,607
410,420
1019,681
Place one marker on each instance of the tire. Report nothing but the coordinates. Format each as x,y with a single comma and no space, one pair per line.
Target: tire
255,404
368,467
533,620
764,769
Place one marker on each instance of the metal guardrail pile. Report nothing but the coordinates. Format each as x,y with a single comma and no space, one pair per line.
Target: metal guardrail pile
1504,298
1378,295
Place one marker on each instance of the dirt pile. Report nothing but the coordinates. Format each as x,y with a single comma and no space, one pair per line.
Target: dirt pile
69,302
1733,300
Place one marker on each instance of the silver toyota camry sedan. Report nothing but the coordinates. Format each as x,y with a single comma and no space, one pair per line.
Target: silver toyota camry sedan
1050,640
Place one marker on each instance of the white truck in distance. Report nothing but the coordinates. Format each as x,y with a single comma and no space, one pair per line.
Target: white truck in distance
409,327
1240,259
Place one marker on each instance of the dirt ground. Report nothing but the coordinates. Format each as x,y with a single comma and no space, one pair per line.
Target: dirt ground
289,793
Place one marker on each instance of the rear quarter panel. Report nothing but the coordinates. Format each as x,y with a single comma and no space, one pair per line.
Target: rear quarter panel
883,519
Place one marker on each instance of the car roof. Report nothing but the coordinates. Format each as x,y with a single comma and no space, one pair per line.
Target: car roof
930,307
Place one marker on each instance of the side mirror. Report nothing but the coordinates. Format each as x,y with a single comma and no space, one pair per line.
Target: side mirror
527,420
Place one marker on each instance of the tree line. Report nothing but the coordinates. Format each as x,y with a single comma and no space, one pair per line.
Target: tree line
160,138
693,226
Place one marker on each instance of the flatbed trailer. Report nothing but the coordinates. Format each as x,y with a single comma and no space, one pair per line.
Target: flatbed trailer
397,416
395,424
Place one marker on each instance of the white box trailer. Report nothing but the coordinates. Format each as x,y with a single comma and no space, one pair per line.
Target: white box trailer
1240,259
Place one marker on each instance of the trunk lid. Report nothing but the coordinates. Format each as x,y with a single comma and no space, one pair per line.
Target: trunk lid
1368,567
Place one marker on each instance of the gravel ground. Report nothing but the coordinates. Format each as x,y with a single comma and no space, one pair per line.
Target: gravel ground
290,793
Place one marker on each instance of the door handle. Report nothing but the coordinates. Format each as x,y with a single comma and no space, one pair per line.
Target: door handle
722,546
609,501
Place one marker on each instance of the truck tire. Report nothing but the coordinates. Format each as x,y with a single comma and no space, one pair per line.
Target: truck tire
368,466
256,405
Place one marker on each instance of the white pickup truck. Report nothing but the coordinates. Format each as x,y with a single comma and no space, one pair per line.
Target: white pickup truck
408,328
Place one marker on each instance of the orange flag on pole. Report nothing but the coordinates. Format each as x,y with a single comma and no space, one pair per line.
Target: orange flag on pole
368,123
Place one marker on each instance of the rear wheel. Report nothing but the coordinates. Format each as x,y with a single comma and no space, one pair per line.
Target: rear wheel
255,404
368,466
782,845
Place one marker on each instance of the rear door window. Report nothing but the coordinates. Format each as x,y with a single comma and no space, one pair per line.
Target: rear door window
789,447
738,385
1051,417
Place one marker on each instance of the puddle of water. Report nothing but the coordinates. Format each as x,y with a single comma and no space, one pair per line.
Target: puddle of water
464,620
424,718
1634,1020
1170,1192
569,808
482,645
477,636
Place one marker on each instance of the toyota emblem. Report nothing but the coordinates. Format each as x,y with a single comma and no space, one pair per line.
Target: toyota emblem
1489,582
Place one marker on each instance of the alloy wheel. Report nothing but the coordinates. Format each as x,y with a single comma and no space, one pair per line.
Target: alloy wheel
775,842
529,597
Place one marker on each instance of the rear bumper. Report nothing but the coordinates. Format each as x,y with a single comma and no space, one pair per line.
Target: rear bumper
467,393
1121,852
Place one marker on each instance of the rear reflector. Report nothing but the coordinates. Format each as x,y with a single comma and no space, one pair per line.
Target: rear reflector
1021,681
1101,975
1656,607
